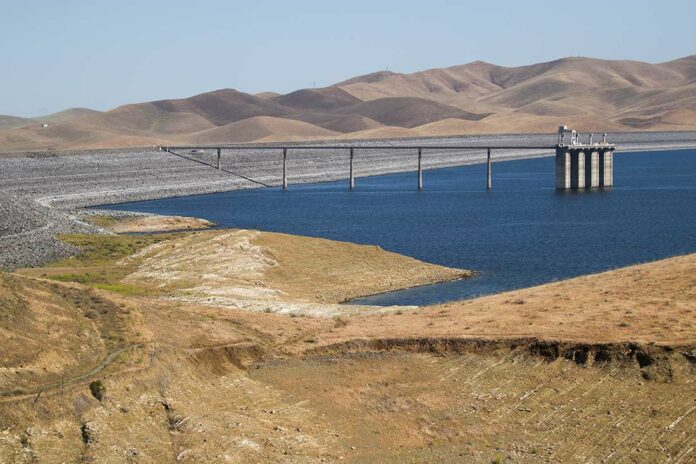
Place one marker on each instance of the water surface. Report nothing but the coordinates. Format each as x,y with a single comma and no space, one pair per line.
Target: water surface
522,233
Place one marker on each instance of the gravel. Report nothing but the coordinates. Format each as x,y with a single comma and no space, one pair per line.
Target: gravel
28,230
41,194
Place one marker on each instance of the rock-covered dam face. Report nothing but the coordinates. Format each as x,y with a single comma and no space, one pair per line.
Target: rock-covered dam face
41,192
583,166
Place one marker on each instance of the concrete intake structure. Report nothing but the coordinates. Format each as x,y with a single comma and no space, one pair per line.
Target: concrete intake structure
580,166
577,165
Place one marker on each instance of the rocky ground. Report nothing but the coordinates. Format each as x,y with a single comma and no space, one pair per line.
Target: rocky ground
67,181
28,232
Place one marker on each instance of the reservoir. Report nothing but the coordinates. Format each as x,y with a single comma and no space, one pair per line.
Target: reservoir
520,234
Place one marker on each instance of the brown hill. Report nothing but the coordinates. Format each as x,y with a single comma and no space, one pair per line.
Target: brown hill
267,94
344,123
327,99
478,97
256,128
408,111
12,122
67,115
223,106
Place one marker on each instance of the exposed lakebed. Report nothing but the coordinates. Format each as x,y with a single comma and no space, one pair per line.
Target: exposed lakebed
520,234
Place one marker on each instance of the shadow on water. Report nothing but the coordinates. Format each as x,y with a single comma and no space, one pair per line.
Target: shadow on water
522,233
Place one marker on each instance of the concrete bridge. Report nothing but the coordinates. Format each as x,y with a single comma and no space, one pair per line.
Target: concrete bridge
577,165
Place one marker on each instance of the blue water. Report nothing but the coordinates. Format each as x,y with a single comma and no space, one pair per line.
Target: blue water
522,233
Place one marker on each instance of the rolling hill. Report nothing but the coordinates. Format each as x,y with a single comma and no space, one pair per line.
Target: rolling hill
13,122
479,97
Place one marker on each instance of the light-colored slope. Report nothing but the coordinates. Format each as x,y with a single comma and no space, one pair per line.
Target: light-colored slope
344,123
267,94
67,115
223,106
12,122
151,118
407,111
647,303
588,94
385,132
516,123
249,130
224,265
471,81
685,66
71,135
567,87
326,99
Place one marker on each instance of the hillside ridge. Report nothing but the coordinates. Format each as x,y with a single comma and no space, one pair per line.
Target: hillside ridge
475,98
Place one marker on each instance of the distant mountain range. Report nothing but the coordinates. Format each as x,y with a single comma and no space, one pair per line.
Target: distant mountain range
587,94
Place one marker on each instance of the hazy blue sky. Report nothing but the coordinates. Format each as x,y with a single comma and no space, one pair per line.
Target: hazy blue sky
101,54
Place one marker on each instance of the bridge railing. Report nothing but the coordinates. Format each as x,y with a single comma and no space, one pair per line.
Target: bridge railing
276,165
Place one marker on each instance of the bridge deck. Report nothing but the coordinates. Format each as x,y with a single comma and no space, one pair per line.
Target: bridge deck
359,147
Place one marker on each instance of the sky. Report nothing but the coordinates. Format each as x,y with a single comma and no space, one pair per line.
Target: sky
102,54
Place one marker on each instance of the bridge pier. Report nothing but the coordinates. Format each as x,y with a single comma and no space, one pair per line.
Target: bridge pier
591,168
420,169
352,175
577,169
562,168
489,173
606,167
285,168
578,165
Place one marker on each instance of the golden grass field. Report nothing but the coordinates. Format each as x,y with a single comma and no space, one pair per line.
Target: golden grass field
253,361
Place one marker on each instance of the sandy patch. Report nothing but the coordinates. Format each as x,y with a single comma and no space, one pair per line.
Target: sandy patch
263,271
147,224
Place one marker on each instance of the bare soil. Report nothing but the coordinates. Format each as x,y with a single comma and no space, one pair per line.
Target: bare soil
594,369
266,270
148,224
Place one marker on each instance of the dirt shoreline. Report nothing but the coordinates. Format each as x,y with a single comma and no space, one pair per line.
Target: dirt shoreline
253,270
488,380
57,186
453,279
246,356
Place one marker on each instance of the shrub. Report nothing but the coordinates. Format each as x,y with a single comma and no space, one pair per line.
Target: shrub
97,388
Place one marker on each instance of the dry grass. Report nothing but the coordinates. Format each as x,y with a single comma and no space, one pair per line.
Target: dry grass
268,271
260,271
326,271
260,127
148,224
587,94
648,303
209,383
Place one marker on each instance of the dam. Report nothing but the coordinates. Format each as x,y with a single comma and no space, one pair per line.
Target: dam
512,236
578,165
583,166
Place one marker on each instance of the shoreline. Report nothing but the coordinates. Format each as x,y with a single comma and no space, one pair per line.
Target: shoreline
349,301
201,189
95,209
150,174
43,196
245,269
